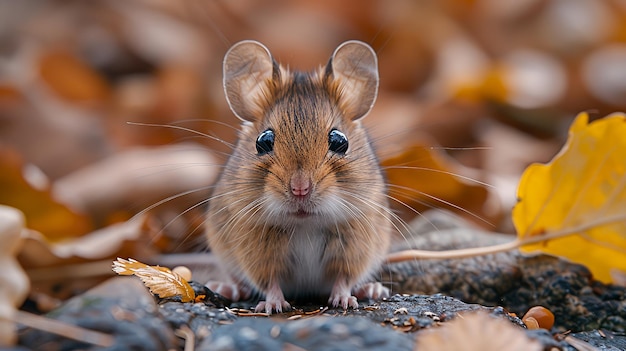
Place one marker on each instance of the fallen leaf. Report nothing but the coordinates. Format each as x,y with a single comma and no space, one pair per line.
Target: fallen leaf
60,269
160,280
140,177
9,94
71,78
14,284
423,178
133,236
42,211
581,191
476,331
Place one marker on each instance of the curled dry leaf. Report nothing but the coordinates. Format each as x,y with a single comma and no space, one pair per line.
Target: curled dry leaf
14,284
141,177
581,191
476,331
132,236
160,280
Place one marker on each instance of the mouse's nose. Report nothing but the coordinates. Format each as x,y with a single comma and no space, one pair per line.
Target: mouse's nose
300,185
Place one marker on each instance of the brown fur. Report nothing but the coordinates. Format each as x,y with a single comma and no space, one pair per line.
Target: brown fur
251,224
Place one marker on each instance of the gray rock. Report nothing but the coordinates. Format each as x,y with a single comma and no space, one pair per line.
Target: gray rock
120,306
315,333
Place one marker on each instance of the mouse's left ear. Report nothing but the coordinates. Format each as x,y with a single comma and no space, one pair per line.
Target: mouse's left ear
354,68
248,72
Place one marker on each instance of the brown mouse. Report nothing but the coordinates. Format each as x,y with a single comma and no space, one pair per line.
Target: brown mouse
301,208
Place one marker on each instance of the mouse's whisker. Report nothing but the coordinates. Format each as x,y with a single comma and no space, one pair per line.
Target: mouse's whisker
179,216
409,207
457,175
441,201
190,130
240,214
205,120
201,203
397,223
170,198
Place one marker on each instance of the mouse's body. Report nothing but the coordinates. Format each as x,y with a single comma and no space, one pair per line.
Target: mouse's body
301,207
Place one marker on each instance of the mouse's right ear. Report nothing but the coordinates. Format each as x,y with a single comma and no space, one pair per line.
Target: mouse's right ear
354,67
248,71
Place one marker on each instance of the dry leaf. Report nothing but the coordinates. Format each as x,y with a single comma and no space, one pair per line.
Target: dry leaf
423,178
160,280
43,213
104,243
60,269
71,78
583,191
476,331
140,177
14,284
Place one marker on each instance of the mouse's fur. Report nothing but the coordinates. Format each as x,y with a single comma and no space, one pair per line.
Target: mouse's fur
331,239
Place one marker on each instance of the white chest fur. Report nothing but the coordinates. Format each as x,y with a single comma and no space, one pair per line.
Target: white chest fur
308,256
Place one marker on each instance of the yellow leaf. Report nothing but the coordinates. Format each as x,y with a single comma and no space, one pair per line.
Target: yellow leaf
160,280
582,191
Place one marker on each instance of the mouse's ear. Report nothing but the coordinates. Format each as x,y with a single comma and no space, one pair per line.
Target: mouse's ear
248,70
354,68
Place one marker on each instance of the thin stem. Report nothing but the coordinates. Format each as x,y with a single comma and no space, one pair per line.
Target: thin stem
64,329
408,255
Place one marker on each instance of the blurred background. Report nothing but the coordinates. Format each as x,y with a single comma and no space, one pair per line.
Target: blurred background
478,88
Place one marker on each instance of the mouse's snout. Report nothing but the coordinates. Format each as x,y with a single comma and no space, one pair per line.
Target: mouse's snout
300,185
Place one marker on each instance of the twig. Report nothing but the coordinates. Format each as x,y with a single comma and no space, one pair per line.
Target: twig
408,255
190,339
73,271
64,329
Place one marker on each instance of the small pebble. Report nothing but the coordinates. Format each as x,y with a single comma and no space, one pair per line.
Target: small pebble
183,271
248,333
275,331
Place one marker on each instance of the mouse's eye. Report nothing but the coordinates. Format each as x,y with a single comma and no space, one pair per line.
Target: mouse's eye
337,142
265,142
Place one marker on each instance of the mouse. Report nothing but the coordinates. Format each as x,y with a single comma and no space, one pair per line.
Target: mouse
300,209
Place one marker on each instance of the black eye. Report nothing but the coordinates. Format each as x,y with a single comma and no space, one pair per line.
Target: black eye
337,142
265,142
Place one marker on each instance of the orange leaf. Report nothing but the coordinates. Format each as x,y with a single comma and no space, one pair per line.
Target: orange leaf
160,280
43,213
71,78
422,178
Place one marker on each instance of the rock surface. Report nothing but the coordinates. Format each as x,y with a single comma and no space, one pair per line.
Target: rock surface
121,307
509,279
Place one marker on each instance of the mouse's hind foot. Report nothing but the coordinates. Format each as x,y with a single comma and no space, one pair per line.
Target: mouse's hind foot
373,290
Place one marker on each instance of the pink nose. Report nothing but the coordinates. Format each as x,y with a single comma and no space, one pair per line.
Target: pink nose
300,185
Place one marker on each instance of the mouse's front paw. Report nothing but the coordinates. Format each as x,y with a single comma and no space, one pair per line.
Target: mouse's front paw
273,305
274,301
343,300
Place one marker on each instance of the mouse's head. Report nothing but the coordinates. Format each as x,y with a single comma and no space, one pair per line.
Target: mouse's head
302,146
